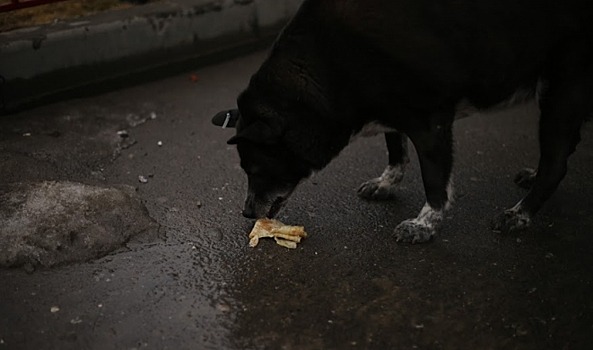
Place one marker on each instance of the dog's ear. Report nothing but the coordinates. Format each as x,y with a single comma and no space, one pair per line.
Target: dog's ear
258,132
226,119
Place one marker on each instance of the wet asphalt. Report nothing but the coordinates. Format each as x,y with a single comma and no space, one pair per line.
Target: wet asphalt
349,285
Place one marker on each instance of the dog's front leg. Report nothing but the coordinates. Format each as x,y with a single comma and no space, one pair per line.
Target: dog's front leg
385,186
435,153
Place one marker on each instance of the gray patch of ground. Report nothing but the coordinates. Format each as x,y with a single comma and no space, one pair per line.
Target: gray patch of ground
50,223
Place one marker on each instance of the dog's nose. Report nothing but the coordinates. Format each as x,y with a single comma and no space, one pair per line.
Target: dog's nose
249,207
249,213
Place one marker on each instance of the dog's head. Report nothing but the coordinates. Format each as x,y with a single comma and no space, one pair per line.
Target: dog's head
273,170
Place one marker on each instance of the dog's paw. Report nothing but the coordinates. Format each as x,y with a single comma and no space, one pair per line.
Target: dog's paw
414,231
377,189
385,186
511,220
525,178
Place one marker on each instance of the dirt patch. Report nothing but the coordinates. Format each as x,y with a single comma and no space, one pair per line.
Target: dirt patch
51,223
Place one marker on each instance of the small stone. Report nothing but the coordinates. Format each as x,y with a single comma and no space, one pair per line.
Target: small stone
222,307
160,143
142,179
54,309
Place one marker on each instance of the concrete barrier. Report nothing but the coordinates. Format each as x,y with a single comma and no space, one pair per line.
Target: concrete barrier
41,63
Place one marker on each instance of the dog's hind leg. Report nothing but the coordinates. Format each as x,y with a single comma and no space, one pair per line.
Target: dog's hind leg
434,146
563,110
385,186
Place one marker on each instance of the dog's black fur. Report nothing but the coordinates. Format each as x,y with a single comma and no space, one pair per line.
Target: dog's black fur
410,66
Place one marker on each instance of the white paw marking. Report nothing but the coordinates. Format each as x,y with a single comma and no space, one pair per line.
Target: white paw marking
422,228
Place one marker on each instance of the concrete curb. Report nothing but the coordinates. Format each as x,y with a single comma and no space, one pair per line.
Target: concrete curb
42,63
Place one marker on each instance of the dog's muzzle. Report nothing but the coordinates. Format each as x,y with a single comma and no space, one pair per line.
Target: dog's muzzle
258,209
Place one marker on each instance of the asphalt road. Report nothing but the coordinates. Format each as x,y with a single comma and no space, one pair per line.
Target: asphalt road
348,285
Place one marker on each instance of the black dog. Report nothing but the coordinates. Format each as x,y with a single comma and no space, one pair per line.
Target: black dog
409,68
